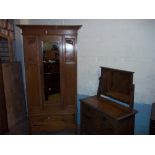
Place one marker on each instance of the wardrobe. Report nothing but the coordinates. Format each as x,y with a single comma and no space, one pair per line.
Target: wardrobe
50,55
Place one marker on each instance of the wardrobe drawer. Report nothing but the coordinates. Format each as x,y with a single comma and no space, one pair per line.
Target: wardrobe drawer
88,111
45,119
52,123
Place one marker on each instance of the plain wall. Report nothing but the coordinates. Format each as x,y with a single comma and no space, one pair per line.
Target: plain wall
123,44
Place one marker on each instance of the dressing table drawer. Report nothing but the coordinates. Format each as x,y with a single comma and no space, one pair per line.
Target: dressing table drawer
95,121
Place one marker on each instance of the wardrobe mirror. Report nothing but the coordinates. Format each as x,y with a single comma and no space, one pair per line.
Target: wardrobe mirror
51,70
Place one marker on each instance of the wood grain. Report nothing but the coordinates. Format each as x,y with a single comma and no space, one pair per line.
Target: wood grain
51,117
3,112
103,115
14,93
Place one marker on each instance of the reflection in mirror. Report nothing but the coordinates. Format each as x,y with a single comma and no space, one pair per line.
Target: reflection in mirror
51,72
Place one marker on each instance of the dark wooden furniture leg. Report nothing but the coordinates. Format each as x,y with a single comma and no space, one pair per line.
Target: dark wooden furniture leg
152,120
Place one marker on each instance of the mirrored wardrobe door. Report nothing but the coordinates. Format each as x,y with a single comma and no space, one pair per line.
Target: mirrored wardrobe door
50,63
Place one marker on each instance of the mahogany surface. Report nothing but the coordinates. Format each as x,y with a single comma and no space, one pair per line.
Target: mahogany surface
50,117
102,115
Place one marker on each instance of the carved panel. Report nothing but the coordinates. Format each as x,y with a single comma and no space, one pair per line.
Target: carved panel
31,48
69,50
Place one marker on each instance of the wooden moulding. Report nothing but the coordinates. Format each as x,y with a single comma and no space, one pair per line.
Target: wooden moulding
49,29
